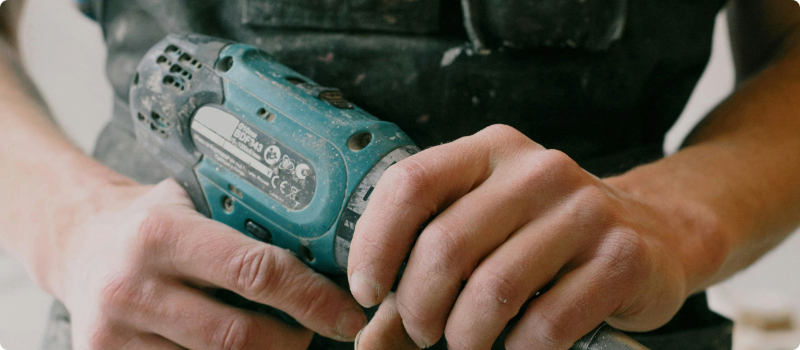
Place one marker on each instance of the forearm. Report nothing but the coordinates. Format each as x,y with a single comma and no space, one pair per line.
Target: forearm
48,184
739,170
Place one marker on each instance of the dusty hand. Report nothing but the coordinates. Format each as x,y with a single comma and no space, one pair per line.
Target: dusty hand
138,279
509,219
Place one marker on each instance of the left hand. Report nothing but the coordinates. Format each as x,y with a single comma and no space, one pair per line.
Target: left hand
509,218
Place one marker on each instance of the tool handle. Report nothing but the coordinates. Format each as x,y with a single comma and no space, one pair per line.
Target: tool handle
605,337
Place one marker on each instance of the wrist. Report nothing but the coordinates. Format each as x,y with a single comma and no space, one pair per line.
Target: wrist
699,239
86,189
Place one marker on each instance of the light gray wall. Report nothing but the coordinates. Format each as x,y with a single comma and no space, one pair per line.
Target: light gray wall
65,56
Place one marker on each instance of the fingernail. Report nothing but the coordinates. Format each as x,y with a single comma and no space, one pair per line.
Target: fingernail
358,336
350,323
365,291
423,344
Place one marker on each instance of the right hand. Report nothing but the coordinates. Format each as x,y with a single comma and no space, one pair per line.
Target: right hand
137,278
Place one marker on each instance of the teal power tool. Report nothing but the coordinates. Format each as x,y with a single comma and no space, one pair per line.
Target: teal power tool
264,149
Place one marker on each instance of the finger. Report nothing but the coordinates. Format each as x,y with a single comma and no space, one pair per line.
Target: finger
166,192
192,320
408,194
218,255
98,334
450,247
508,278
151,341
385,331
576,304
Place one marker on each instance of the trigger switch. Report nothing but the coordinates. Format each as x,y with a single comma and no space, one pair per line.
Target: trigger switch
258,232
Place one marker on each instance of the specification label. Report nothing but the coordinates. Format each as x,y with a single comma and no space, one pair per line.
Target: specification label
255,156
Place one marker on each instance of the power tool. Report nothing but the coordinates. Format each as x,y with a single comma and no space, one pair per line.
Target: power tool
260,147
263,149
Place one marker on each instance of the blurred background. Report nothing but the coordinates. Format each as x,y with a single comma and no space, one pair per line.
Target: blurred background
64,54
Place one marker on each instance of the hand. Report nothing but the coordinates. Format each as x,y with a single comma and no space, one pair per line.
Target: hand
138,278
508,219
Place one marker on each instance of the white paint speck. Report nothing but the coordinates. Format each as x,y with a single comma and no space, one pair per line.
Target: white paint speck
450,56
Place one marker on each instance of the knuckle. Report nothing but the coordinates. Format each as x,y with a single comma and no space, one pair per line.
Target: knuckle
593,196
414,314
556,161
444,247
503,132
591,204
154,227
504,138
123,296
375,250
531,177
458,340
173,189
305,294
313,302
498,291
275,276
624,257
548,334
542,168
255,271
552,336
101,338
117,296
409,179
231,334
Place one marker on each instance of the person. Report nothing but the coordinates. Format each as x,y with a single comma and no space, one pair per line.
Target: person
549,204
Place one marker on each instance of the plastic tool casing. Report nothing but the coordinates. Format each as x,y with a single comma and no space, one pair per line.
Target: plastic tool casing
255,143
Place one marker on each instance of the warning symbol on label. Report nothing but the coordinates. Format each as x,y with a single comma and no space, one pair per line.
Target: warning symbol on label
272,155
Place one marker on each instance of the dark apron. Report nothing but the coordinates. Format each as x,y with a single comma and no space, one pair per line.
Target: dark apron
601,80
